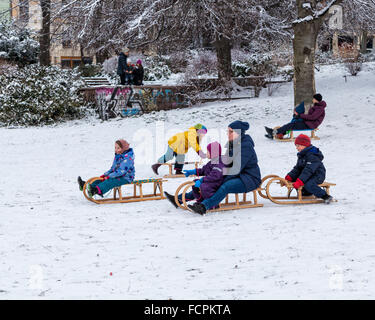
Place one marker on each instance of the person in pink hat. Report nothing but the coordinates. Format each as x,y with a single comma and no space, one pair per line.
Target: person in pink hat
138,73
210,177
309,171
121,172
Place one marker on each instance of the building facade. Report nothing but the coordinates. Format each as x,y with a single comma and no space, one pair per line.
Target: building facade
63,52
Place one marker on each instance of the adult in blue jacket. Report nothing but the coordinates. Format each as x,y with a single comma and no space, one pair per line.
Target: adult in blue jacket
242,173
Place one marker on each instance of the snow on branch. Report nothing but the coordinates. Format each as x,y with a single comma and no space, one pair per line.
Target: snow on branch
316,15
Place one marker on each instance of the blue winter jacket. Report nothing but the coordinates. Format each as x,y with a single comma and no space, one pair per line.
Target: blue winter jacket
123,166
247,169
309,165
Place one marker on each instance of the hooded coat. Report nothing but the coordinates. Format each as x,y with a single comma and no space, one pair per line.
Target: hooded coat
123,166
213,177
244,159
181,142
309,164
122,64
315,115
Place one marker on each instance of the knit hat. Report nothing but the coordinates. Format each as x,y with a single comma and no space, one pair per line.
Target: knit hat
123,144
303,140
240,125
200,128
139,61
128,60
318,97
125,50
214,149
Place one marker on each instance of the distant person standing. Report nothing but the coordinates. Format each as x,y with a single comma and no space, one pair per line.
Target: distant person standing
138,73
122,65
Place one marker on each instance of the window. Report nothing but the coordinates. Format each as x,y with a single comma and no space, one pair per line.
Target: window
70,62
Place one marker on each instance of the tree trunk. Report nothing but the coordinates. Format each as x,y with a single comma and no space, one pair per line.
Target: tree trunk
224,59
363,41
44,37
304,44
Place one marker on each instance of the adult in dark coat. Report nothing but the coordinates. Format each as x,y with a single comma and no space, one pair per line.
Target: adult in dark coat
312,120
122,64
242,173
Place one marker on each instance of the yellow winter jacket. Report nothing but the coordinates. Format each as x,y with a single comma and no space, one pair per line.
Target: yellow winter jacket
181,142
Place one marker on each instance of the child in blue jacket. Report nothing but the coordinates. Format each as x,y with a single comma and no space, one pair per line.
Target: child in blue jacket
121,172
309,171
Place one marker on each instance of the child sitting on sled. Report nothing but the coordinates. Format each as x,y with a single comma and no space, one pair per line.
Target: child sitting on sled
121,172
309,171
213,174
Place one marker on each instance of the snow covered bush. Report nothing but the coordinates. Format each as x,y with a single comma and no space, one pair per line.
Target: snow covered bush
37,95
204,62
17,45
178,61
156,68
253,65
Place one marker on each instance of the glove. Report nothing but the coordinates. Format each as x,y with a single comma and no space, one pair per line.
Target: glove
299,183
198,183
288,178
104,177
202,154
189,172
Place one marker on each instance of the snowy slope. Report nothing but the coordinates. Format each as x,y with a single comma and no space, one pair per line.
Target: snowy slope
55,244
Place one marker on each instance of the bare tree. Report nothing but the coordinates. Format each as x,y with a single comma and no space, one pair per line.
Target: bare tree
45,33
311,15
108,24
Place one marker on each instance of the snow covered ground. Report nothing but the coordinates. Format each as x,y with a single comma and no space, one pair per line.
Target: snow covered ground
55,244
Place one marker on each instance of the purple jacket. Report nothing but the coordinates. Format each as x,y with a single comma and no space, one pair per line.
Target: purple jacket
213,177
315,116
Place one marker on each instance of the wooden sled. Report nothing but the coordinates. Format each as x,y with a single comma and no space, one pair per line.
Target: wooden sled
226,205
118,195
172,175
290,136
288,199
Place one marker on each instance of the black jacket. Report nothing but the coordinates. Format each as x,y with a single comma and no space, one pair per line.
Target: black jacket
309,164
138,74
122,63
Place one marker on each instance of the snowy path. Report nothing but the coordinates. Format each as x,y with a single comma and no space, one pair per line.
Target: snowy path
55,244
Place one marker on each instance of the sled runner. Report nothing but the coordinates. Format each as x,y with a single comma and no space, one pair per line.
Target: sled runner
226,205
288,199
172,175
290,136
118,196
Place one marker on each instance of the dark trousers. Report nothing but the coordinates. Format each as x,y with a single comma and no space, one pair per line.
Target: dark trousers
301,125
311,186
122,79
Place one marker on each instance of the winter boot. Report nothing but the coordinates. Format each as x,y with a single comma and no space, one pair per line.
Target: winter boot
178,171
155,167
269,136
327,199
92,190
171,199
269,131
198,207
81,183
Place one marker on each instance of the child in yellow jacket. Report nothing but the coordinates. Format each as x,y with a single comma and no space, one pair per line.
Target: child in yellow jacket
178,146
